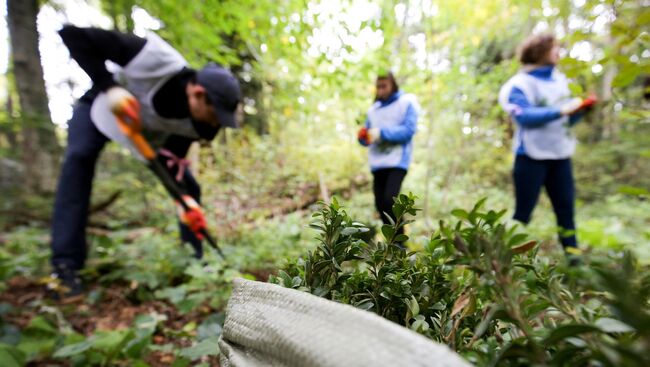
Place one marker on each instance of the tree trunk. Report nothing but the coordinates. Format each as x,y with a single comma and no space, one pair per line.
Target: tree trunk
38,142
111,8
254,89
10,133
430,47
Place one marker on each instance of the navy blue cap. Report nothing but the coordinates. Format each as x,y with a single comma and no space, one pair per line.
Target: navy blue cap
224,92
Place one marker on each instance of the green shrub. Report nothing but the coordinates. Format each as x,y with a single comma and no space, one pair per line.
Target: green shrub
480,287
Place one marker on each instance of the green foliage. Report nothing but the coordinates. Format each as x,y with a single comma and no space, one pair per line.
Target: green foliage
14,260
9,334
106,347
11,356
39,338
207,347
308,69
481,287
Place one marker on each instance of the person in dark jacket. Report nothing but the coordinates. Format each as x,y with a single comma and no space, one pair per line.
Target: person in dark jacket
178,105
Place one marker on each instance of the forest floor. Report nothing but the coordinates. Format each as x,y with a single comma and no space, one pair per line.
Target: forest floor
115,308
138,269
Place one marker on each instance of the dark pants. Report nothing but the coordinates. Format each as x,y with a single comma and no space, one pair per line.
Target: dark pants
85,142
386,185
529,177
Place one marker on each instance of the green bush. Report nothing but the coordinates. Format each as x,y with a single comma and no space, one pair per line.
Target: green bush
480,287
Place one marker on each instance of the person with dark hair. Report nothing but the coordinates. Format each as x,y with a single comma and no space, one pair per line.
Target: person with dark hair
538,100
388,132
177,105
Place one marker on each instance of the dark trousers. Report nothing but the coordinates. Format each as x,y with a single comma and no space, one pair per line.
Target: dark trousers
85,142
386,185
556,175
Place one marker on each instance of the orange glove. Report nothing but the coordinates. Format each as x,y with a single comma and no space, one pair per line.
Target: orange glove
362,135
193,217
124,105
368,136
589,102
578,104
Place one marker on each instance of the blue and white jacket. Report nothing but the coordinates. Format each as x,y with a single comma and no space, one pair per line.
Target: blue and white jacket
533,99
396,117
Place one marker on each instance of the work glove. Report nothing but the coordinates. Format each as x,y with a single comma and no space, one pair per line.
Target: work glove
577,104
193,217
368,136
123,104
362,135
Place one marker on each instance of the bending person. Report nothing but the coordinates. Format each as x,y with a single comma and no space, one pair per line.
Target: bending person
176,103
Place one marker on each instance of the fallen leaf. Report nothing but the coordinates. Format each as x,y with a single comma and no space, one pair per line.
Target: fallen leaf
460,303
525,247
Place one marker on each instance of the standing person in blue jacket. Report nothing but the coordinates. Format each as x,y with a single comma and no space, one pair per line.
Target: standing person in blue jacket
388,133
539,102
